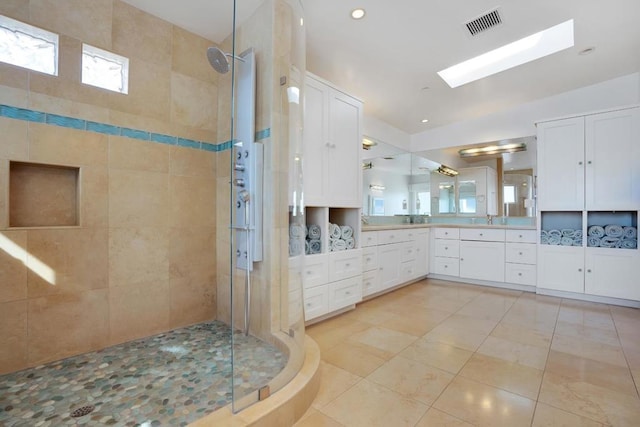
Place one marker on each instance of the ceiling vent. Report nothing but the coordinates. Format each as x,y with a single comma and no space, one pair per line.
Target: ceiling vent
484,22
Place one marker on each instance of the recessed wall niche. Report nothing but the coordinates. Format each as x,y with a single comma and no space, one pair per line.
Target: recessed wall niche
43,195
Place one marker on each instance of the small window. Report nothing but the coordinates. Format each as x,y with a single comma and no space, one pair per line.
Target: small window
105,69
27,46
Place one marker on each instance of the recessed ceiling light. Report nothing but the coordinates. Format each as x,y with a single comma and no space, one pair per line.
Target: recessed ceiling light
425,120
358,13
520,52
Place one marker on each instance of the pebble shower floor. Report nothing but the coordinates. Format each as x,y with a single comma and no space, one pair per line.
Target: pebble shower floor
169,379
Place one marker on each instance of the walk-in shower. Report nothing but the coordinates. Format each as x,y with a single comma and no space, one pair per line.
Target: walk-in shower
173,295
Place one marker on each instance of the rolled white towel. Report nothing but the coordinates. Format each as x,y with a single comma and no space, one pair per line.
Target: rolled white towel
544,239
629,233
351,242
346,231
315,246
613,230
577,241
315,232
339,245
566,241
609,242
544,233
629,243
596,231
577,234
555,233
295,247
593,242
568,232
554,240
296,230
334,231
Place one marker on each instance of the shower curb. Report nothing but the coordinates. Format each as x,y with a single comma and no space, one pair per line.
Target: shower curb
282,408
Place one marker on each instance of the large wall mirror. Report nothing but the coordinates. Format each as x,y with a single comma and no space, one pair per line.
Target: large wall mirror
399,183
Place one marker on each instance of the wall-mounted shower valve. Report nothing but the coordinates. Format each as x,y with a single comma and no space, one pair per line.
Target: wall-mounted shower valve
238,167
238,182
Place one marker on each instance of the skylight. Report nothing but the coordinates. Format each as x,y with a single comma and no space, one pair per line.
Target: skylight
105,69
520,52
27,46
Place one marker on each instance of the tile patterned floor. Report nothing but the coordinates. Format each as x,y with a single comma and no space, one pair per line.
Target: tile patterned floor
167,379
439,353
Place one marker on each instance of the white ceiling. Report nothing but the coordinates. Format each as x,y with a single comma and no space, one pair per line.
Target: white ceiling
387,58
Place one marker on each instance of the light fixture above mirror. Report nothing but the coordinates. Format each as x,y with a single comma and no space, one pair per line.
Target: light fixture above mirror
492,149
446,170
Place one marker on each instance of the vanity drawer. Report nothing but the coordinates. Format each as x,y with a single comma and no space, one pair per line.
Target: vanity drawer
447,233
370,282
370,258
315,271
448,266
408,270
521,253
447,248
522,274
408,251
345,293
316,302
369,238
386,237
521,236
482,234
345,264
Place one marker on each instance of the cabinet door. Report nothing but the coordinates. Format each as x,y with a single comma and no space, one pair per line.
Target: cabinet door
482,260
613,160
612,273
345,139
389,256
315,142
561,268
422,253
561,164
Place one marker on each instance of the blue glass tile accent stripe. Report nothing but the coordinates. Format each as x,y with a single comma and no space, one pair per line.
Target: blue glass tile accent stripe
103,128
67,122
134,133
225,146
209,147
163,139
262,134
183,142
22,114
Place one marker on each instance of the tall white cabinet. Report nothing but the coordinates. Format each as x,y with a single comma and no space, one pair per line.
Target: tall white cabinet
589,175
332,136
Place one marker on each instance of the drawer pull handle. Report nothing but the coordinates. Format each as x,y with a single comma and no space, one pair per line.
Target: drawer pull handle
481,234
589,271
347,265
446,233
446,266
519,253
368,259
348,293
580,270
461,259
446,248
308,304
520,236
519,274
308,272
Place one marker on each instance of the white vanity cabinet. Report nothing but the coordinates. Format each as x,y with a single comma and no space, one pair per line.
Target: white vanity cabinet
446,251
482,254
332,140
331,281
612,273
520,257
393,257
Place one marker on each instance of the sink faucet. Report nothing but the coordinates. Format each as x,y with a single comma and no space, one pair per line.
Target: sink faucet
490,219
364,220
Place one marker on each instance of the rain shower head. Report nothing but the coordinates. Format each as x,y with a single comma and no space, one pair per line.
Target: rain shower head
218,59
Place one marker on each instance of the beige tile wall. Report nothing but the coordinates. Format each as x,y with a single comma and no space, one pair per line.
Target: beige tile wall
143,259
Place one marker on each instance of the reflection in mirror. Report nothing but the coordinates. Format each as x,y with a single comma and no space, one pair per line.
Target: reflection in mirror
518,193
467,196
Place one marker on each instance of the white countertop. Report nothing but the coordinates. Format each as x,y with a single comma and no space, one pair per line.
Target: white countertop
408,226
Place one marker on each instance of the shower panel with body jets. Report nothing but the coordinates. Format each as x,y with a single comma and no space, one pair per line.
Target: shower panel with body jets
247,165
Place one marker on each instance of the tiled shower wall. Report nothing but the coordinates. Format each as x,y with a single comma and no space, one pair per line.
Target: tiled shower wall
143,259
